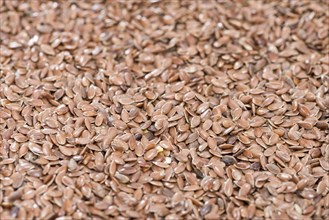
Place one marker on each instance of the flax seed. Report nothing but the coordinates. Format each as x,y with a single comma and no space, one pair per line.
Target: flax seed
169,113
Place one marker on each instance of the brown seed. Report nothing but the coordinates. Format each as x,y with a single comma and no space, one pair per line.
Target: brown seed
17,179
82,141
273,168
195,121
283,156
219,170
188,96
118,144
52,123
151,154
126,100
47,49
228,187
60,138
293,133
203,107
121,178
303,110
212,144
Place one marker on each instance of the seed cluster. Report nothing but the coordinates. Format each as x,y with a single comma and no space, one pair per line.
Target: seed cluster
169,110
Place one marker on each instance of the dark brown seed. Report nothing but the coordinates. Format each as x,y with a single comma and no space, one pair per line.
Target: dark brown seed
229,160
255,166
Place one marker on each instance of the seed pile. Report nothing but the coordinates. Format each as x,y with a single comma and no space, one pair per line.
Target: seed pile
164,109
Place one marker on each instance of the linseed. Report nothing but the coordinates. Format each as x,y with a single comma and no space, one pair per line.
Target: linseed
164,109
